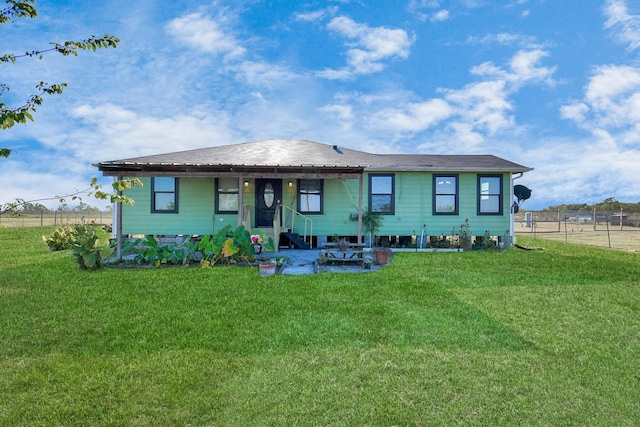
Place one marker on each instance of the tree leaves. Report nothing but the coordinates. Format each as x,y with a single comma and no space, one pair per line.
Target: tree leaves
25,9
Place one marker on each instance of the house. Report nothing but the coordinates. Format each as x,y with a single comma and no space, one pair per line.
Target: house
304,193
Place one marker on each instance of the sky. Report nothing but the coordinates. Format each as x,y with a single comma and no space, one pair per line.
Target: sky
550,84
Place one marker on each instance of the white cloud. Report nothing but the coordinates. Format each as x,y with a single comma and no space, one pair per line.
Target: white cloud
472,115
439,16
264,74
420,9
626,26
581,170
368,47
611,104
415,117
524,67
507,39
483,106
205,34
317,15
113,132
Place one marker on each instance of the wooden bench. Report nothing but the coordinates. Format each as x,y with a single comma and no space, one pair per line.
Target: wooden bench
344,252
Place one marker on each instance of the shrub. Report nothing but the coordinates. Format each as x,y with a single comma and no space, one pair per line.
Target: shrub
59,238
90,246
227,245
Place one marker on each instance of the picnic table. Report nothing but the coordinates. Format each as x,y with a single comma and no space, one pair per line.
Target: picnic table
343,252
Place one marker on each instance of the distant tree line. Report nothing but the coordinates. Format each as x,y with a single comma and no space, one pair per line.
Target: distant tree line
38,208
610,204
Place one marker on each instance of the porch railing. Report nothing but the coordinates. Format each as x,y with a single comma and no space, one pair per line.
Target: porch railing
287,220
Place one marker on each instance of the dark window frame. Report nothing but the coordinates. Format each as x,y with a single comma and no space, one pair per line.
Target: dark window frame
392,195
500,195
175,193
300,195
218,192
456,194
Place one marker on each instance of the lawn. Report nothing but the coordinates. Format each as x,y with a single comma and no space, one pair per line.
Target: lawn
546,337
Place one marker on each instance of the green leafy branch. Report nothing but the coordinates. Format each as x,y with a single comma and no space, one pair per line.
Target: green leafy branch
10,116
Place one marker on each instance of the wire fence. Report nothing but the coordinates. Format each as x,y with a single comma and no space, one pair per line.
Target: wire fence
613,229
48,218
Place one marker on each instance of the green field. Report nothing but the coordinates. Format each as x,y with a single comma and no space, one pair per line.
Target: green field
547,337
54,218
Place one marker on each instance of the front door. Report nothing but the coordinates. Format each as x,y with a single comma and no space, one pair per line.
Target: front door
268,197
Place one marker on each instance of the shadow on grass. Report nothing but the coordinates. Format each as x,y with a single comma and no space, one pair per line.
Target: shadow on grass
230,310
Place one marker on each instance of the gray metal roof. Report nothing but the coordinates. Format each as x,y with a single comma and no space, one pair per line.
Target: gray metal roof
302,154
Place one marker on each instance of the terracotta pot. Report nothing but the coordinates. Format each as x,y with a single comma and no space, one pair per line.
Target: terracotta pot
383,255
267,268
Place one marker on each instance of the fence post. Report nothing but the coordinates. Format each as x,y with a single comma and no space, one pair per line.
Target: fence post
41,217
594,219
621,219
558,220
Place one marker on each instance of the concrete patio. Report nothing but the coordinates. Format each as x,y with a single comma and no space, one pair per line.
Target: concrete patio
306,262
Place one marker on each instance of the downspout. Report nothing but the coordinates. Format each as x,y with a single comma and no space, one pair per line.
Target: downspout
512,215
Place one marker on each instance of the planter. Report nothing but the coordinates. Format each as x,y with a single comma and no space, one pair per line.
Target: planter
257,248
267,269
383,255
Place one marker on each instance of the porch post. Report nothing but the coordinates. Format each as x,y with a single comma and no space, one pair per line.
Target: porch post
360,181
240,197
118,219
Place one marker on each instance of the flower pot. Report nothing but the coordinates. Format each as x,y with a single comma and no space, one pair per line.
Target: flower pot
257,248
267,268
382,255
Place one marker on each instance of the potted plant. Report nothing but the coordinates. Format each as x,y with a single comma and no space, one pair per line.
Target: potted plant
371,224
267,267
383,255
256,240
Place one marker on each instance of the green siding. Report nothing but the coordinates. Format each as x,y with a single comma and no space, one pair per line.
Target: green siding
195,210
413,208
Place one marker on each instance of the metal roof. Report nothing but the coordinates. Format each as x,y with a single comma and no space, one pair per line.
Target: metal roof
302,154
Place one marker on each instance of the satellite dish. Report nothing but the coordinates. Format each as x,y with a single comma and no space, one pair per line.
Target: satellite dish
521,192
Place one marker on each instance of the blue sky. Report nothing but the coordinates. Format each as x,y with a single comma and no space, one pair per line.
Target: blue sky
543,83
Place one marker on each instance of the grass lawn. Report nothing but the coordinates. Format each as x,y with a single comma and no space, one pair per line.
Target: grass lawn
477,338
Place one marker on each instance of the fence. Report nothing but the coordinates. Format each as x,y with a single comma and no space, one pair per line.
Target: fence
47,218
614,229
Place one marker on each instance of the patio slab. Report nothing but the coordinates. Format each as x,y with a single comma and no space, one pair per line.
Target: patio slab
301,261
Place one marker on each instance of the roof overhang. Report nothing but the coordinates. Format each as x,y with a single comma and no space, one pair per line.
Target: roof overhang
247,171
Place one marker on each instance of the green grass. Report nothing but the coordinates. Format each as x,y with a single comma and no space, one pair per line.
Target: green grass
481,338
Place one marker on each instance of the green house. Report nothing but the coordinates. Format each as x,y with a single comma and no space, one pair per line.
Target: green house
304,193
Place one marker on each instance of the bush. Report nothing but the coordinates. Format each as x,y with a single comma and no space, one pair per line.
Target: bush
59,239
226,246
90,246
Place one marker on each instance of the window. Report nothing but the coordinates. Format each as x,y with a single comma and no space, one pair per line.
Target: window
164,195
381,194
227,195
310,197
489,194
445,194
